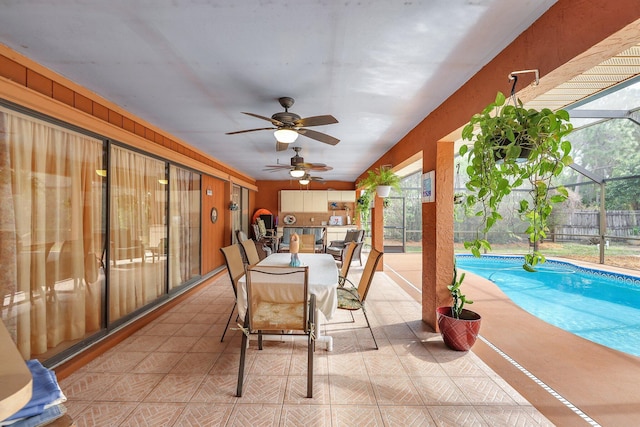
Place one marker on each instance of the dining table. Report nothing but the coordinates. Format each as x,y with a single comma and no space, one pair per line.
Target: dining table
322,282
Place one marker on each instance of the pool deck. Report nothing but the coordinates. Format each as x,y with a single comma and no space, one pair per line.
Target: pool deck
604,384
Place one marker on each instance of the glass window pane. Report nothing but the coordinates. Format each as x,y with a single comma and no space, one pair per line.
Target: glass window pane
52,240
138,214
184,238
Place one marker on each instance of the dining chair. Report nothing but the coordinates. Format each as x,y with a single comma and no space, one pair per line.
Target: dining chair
278,304
250,251
347,257
235,267
352,298
307,243
336,247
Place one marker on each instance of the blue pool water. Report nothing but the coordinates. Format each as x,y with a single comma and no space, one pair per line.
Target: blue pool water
600,306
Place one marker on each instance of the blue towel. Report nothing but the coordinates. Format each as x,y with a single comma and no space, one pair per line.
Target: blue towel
49,415
46,391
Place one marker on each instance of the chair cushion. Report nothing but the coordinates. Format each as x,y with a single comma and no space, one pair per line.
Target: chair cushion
334,251
274,316
348,299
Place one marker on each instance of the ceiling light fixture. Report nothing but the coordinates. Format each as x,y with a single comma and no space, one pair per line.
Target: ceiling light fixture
304,181
297,173
286,136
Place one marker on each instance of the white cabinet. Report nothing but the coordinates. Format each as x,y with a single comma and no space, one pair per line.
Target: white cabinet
291,201
303,201
341,196
315,201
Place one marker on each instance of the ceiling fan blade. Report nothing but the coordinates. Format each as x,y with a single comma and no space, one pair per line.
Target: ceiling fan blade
278,166
248,130
316,121
322,169
281,146
319,136
269,119
313,165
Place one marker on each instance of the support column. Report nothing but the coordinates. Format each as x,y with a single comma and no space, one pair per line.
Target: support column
437,231
377,228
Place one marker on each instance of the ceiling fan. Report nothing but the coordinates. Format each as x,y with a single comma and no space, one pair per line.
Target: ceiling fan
289,125
306,179
298,167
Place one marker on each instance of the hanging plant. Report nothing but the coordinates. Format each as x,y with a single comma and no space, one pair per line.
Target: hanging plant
380,180
458,198
510,146
363,205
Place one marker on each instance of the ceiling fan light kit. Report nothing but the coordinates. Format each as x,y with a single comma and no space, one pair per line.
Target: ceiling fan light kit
288,125
286,136
304,181
297,173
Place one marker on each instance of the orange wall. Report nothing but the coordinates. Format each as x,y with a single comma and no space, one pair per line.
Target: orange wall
214,235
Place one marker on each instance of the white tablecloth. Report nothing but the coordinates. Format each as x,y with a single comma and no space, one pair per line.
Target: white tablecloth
323,280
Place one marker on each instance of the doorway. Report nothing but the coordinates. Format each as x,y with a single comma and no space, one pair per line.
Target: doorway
394,235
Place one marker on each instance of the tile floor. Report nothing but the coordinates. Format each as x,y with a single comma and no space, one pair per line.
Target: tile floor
176,372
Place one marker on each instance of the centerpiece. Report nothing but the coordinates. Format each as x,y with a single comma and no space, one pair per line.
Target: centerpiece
294,247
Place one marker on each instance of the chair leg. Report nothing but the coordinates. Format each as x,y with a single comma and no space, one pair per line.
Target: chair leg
353,319
369,326
228,321
243,353
311,344
259,340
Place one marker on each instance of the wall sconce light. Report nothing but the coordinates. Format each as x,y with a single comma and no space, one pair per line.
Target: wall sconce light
163,181
101,172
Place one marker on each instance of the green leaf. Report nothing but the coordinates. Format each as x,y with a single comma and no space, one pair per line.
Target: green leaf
563,114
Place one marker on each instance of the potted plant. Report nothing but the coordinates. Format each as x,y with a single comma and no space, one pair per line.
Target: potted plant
511,146
380,180
458,326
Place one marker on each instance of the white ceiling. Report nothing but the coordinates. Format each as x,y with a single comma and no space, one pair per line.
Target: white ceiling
191,67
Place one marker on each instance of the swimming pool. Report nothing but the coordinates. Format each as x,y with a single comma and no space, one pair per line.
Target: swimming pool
600,306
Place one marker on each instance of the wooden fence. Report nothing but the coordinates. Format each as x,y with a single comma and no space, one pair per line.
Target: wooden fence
578,224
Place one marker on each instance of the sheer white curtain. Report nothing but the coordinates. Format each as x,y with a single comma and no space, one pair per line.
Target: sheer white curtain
56,199
138,205
184,242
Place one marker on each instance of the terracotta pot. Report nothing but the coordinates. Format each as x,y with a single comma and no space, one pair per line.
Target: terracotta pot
458,334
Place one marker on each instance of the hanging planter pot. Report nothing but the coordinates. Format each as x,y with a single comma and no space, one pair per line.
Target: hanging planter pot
381,180
383,190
